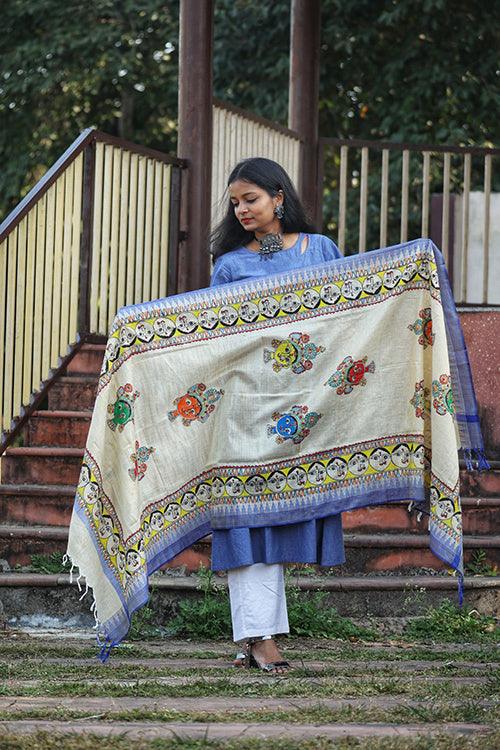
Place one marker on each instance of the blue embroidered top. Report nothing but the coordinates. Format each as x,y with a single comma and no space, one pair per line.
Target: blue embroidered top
315,541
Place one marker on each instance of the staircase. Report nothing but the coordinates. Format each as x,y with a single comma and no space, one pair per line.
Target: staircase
386,547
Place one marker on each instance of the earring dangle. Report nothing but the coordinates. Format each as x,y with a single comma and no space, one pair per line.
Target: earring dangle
279,211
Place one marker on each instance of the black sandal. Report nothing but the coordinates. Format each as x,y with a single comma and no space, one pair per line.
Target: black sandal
248,660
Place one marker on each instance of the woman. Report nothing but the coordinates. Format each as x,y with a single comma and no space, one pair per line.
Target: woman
265,231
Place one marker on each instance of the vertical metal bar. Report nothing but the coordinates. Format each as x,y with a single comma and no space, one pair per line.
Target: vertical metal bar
19,329
132,230
165,228
426,175
363,199
10,327
29,308
465,228
155,260
79,227
57,280
344,151
107,196
319,187
66,299
139,247
94,244
148,231
486,229
114,240
41,214
445,227
122,244
405,178
384,197
48,286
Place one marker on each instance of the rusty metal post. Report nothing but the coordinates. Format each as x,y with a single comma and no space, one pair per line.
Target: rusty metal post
304,94
195,138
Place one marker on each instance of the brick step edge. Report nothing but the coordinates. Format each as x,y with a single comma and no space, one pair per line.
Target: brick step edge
61,414
305,583
350,540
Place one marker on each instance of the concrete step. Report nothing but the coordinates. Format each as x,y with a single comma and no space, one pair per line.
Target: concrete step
365,553
40,465
72,392
52,601
63,429
88,360
481,484
34,504
52,504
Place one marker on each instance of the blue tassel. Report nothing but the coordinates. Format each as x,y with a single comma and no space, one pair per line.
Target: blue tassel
460,589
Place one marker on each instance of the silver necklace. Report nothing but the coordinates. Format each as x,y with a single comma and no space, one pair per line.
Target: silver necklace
270,244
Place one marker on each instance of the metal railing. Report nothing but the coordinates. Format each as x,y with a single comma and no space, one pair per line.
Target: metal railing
379,193
98,231
238,134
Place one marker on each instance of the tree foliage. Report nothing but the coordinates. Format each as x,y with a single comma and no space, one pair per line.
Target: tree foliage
418,70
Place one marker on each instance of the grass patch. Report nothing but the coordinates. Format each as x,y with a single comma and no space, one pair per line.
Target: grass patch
308,614
258,686
453,624
51,741
418,714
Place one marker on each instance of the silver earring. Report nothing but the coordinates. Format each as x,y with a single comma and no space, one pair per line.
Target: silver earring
279,211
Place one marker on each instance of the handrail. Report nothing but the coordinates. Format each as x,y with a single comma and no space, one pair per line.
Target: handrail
380,192
98,231
85,138
418,147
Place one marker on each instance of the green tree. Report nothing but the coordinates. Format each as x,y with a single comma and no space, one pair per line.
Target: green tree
67,66
416,70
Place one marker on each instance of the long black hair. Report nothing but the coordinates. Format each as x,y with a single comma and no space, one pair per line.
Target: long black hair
272,178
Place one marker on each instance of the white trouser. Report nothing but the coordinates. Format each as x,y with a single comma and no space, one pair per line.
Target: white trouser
258,602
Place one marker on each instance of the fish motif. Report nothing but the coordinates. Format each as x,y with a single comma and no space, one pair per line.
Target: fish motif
422,328
442,395
349,373
196,404
295,353
139,459
294,425
122,408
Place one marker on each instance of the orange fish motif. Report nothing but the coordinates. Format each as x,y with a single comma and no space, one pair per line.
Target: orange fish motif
196,404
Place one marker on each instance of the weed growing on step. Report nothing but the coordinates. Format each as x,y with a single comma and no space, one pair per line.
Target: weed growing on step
478,565
209,618
450,623
50,564
308,614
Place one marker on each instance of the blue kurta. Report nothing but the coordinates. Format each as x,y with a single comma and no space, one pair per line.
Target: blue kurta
316,541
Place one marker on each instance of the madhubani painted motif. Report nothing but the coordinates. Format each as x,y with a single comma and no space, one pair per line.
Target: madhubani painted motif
361,288
295,353
329,471
294,425
349,373
422,328
442,395
421,400
196,404
122,409
139,460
